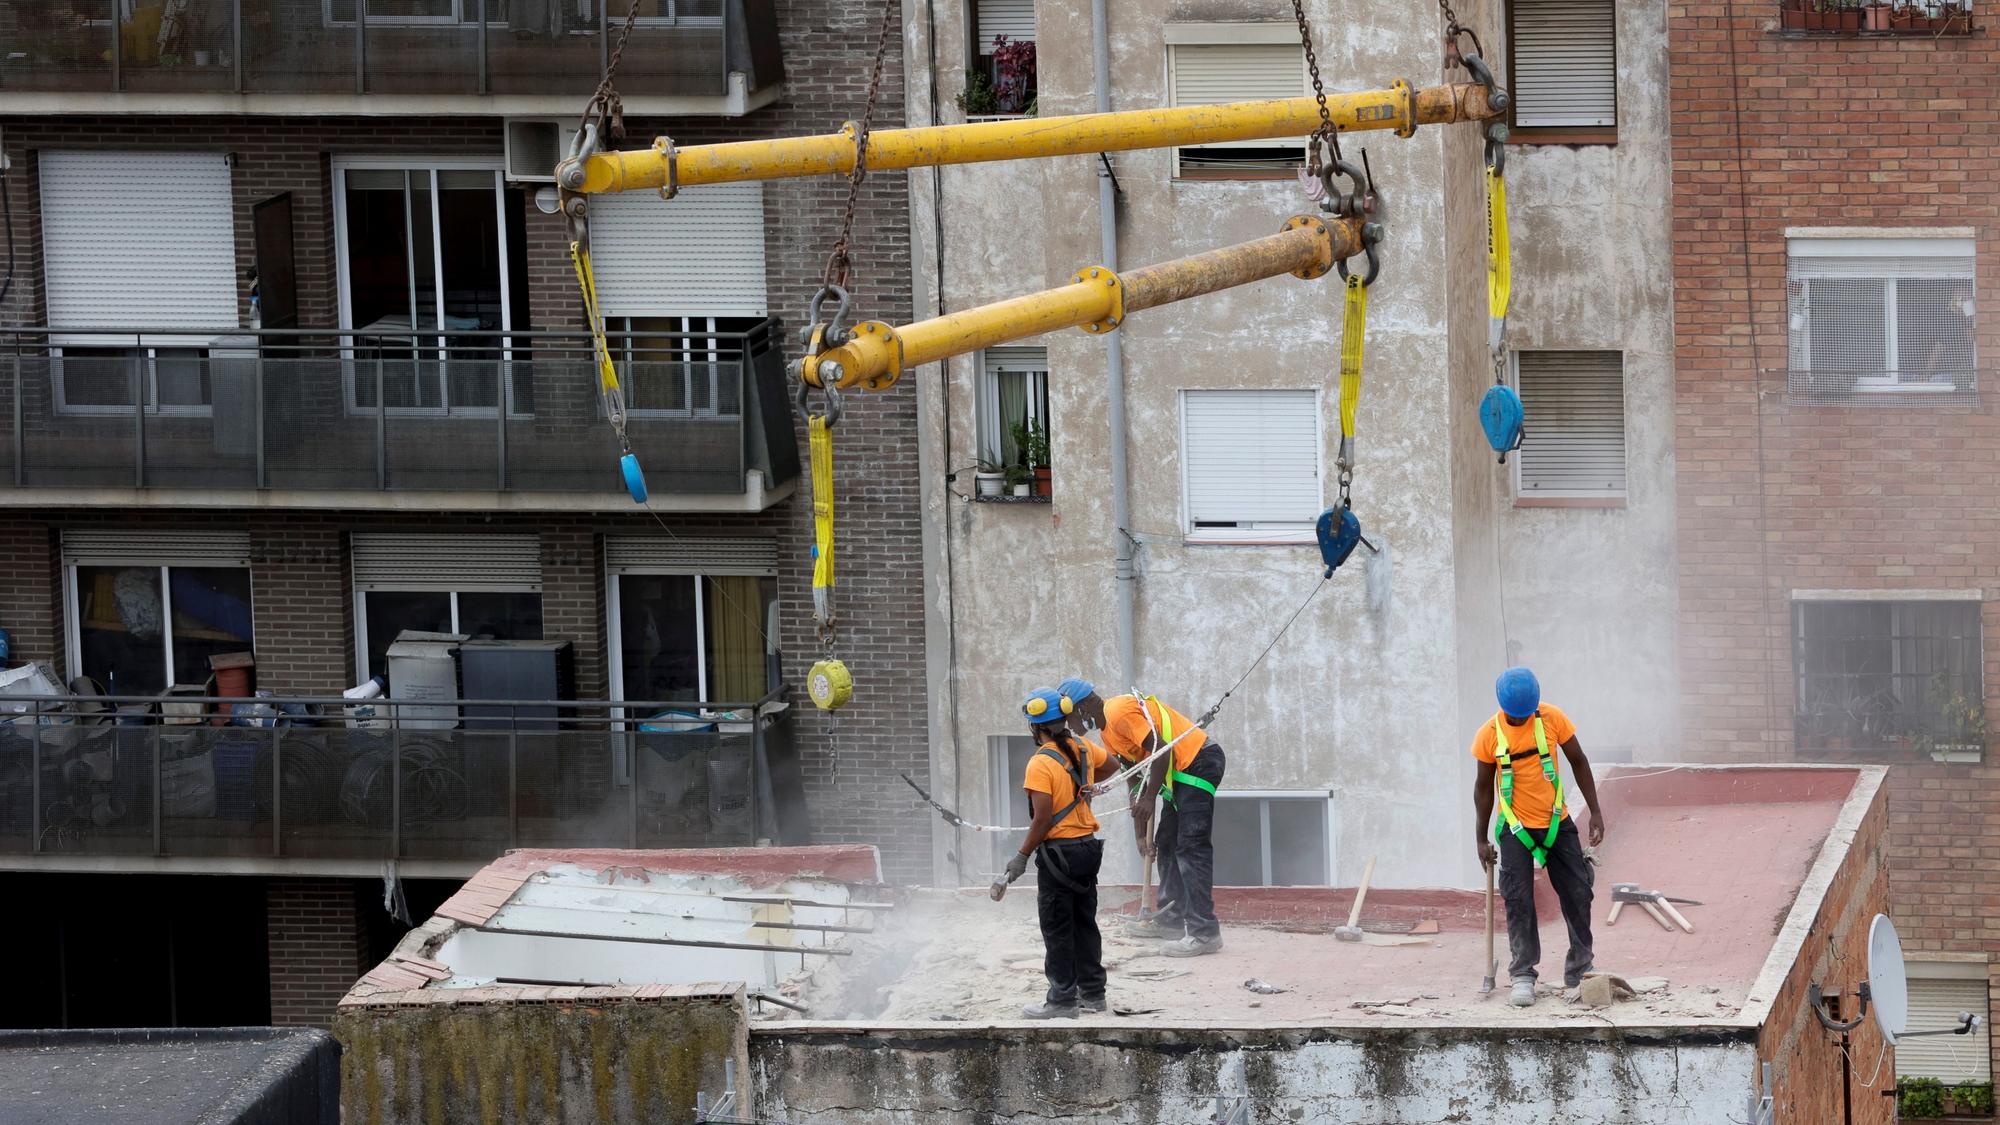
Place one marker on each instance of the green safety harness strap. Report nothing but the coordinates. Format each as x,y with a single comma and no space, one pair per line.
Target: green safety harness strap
1503,753
1166,735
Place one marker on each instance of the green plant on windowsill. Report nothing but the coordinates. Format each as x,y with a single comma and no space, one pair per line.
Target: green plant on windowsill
1974,1099
979,98
1032,439
1018,475
1919,1098
1963,729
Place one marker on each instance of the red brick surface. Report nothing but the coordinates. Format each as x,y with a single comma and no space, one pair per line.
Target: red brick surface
1773,131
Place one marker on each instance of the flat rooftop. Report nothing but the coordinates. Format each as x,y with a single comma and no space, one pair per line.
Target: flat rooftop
1742,841
166,1077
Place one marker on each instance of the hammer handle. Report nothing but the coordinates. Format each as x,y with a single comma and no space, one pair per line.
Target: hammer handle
1617,907
1657,916
1675,915
1360,893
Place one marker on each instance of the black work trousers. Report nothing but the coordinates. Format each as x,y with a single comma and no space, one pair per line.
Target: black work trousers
1185,852
1066,897
1571,875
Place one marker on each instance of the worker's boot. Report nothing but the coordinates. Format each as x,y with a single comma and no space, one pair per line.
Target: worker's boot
1524,992
1092,1004
1048,1011
1192,946
1163,929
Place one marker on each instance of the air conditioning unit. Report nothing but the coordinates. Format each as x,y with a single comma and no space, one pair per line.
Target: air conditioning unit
535,145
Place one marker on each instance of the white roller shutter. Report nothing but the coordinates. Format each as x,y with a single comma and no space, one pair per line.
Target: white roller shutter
1213,74
682,554
1935,1003
698,254
384,561
135,547
1016,359
1013,18
1575,404
1251,458
138,240
1565,58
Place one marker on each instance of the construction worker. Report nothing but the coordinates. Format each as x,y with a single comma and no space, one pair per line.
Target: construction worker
1063,839
1533,828
1186,777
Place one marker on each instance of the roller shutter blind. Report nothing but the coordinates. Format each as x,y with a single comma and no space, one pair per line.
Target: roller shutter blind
1013,18
155,548
698,254
1934,1004
680,554
1575,403
1214,74
384,561
138,240
1565,57
1251,459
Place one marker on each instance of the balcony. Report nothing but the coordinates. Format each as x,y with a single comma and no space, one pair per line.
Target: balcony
185,783
328,419
520,56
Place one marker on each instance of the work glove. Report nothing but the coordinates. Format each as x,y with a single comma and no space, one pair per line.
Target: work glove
1016,867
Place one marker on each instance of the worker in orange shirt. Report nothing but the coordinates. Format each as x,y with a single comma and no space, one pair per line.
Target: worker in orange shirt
1186,777
1534,829
1062,836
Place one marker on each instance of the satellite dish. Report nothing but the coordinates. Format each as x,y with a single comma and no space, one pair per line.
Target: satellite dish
1889,990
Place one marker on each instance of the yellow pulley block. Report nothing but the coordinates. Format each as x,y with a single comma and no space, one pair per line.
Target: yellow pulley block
830,685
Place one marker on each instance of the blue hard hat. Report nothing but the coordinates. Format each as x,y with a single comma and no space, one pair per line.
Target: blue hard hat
1076,689
1519,692
1044,706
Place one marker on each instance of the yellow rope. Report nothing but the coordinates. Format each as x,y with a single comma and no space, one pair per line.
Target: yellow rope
822,501
1499,258
1353,333
607,374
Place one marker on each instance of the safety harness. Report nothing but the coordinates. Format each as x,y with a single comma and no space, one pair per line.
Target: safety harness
1054,864
1503,753
1164,734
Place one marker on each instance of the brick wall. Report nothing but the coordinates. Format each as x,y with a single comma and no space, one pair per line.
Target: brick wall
1771,132
316,947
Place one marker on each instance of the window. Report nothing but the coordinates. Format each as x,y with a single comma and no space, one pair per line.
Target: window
1902,675
148,608
428,256
1211,64
1013,404
480,585
481,614
691,617
1565,68
1874,315
1939,992
95,379
1575,404
1276,839
1001,82
1251,465
678,366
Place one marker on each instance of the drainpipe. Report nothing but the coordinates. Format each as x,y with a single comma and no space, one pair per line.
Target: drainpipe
1114,370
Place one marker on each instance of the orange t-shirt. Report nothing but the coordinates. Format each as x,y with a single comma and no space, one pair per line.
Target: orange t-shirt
1534,798
1046,775
1126,728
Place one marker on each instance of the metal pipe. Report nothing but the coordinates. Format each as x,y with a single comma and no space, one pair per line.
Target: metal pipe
1400,108
257,403
760,947
20,424
361,53
236,41
138,382
1123,571
484,82
117,49
1097,300
812,926
277,789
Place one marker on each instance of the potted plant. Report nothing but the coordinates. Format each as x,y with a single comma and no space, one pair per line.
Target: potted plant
1850,16
1919,1098
989,481
1960,733
978,99
1792,16
1953,16
1032,439
1876,16
1013,74
1904,18
1816,16
1020,479
1972,1099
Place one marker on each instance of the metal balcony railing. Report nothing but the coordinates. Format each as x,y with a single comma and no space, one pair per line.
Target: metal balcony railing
439,780
477,47
323,409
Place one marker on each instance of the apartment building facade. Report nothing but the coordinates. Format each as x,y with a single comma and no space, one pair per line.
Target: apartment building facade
1350,740
296,364
1833,241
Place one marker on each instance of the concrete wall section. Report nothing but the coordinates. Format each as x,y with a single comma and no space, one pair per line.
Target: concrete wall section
1141,1077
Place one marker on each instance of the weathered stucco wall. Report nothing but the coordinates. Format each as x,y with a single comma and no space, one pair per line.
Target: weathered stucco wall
1368,702
1142,1076
469,1063
1591,593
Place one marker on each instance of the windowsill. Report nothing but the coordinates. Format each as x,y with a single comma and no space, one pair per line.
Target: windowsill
1030,499
1532,501
1185,177
977,118
1562,136
1301,539
1959,29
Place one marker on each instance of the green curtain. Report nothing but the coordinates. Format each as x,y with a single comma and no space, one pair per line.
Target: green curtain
734,608
1013,412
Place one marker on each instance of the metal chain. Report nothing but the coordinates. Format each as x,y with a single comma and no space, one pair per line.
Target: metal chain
1451,24
1326,133
837,263
604,103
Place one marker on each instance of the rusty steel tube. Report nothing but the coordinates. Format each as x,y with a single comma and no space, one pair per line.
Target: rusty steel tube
1299,249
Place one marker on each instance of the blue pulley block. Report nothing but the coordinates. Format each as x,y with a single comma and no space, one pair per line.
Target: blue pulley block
1502,416
635,477
1339,532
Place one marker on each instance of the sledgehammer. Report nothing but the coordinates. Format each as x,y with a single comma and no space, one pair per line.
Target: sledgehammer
1352,931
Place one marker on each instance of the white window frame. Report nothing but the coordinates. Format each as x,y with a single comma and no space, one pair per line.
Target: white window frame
355,366
1886,244
1284,534
1264,821
73,625
362,671
621,353
151,347
1625,425
1039,408
1261,33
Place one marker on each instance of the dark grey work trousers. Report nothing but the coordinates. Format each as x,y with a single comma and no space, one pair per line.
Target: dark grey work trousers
1186,854
1066,900
1571,875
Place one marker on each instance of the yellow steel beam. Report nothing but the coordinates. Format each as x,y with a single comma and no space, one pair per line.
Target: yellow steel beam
666,167
1096,300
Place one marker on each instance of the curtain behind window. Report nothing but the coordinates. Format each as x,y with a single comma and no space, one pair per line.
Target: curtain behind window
734,607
